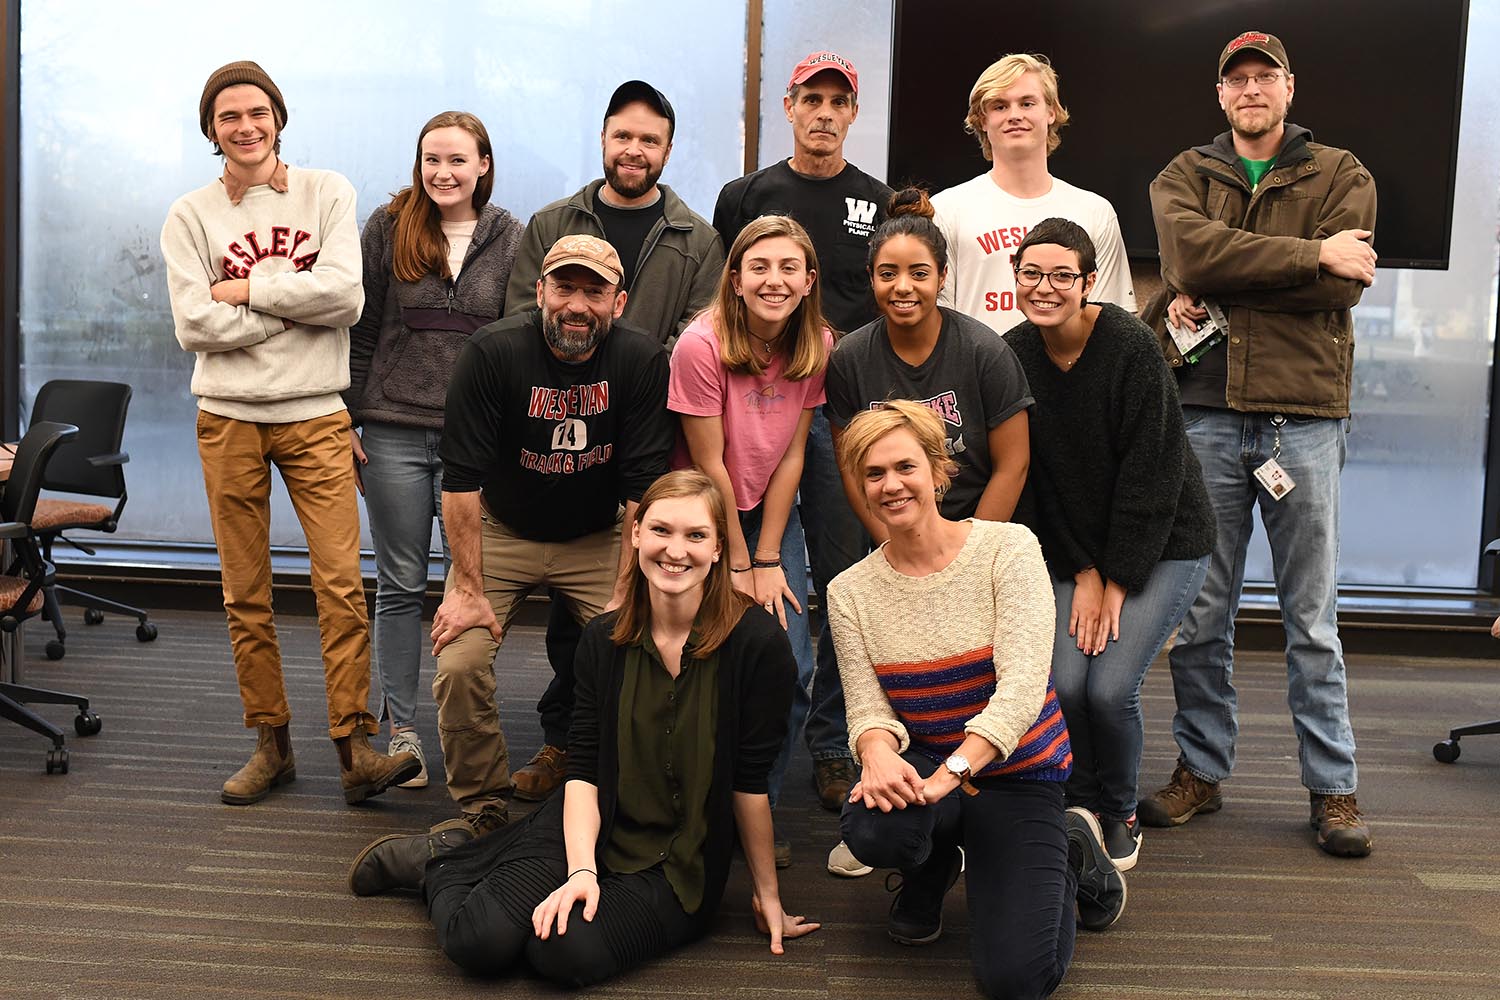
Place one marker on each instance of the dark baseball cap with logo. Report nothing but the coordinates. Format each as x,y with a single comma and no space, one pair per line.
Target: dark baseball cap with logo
1255,41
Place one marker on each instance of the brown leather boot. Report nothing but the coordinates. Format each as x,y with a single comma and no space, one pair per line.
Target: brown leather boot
543,775
397,861
270,765
365,772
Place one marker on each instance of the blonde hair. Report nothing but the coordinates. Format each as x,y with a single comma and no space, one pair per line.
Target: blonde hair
722,606
870,426
805,350
1002,75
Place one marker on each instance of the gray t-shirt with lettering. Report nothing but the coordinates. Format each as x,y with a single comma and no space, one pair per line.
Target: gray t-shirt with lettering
972,379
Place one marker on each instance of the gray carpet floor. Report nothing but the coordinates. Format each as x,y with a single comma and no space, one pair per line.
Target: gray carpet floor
128,878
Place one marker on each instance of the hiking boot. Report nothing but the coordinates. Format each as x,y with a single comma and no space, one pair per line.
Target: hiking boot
833,778
917,910
843,863
407,741
270,765
397,861
365,772
542,775
1342,831
1101,887
1122,841
1185,796
488,819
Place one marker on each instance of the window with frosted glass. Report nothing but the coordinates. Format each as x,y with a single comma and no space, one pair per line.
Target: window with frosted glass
110,137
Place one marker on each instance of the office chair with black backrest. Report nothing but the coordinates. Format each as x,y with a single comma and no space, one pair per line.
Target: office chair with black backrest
21,595
90,465
1446,751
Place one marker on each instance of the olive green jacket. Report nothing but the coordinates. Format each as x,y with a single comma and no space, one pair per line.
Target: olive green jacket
1291,336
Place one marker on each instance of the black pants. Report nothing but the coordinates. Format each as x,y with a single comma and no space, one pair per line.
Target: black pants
556,704
483,919
1020,888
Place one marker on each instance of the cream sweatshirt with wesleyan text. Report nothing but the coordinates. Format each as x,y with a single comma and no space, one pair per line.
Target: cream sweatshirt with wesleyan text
300,250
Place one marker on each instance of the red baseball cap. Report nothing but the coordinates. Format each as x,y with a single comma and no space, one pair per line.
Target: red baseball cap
817,62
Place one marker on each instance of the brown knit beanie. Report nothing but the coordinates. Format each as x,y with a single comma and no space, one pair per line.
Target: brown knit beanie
243,71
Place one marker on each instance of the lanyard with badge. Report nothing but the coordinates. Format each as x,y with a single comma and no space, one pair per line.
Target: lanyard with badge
1271,475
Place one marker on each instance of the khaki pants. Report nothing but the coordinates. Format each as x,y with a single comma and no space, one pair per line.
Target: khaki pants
583,570
318,469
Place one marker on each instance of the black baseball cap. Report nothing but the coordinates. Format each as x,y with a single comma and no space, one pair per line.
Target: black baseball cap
639,90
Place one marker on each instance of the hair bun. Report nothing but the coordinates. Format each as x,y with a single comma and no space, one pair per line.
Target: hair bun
910,201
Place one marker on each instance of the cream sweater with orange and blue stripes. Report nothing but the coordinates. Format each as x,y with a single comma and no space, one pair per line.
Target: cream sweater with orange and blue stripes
967,649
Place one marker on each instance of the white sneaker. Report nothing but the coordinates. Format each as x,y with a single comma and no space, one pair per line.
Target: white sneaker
407,741
843,863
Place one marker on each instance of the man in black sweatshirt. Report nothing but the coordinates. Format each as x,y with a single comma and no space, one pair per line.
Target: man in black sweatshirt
555,418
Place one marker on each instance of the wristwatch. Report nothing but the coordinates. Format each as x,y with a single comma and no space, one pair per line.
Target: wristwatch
958,766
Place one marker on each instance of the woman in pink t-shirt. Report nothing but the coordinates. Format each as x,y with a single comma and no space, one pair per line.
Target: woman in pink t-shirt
746,376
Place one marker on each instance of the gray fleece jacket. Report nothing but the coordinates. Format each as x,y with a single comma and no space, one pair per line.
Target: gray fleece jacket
402,350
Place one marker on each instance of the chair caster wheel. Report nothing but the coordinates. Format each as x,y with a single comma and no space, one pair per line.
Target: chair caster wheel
87,724
93,616
1446,751
57,760
145,632
56,650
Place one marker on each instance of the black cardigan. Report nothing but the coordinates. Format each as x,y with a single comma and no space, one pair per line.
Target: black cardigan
1113,481
756,674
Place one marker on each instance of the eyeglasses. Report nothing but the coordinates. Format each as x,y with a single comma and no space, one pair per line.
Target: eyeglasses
1030,277
1266,79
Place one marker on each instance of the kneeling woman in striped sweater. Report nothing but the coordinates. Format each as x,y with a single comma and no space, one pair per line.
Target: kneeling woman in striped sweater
944,639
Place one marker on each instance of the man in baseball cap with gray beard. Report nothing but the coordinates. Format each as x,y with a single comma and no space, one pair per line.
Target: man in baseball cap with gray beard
556,419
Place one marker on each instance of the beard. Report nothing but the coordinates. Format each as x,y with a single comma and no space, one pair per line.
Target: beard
1252,123
567,343
630,188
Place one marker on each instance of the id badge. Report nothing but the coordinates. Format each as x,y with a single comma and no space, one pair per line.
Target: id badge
1275,479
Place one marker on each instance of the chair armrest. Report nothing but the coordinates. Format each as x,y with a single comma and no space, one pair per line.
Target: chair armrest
121,457
14,529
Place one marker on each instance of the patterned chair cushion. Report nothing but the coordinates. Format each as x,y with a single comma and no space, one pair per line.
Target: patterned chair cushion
52,515
11,589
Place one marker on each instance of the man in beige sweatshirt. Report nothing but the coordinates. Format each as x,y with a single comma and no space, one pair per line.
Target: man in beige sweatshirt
263,266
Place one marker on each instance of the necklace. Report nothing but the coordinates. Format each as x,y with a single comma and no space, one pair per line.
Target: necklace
1065,364
766,347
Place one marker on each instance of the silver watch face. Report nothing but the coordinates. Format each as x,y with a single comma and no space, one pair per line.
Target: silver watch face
957,763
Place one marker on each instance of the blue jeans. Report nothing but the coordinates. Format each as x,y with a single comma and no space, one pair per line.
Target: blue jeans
403,493
835,541
793,558
1101,695
1019,884
1303,529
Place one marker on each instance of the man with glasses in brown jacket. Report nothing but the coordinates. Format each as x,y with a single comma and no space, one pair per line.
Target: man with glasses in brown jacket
1267,233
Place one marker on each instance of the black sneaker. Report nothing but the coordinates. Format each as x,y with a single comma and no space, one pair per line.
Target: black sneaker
917,910
1101,887
1122,841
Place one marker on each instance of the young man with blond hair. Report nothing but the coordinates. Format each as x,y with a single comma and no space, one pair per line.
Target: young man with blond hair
1016,114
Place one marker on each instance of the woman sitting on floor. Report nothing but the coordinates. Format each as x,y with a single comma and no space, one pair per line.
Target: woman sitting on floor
681,706
944,638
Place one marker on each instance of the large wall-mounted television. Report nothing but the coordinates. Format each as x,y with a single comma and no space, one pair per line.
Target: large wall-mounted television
1381,78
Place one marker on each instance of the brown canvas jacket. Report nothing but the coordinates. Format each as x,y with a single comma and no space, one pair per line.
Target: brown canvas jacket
1291,343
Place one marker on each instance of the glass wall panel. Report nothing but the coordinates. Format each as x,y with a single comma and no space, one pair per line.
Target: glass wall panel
109,138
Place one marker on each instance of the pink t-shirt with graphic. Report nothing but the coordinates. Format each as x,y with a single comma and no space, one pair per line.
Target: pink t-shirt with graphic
760,412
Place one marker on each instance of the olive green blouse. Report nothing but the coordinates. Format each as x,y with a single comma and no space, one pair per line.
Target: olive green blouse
666,744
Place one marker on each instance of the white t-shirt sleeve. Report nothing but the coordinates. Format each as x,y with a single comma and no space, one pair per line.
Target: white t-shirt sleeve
1114,283
947,225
